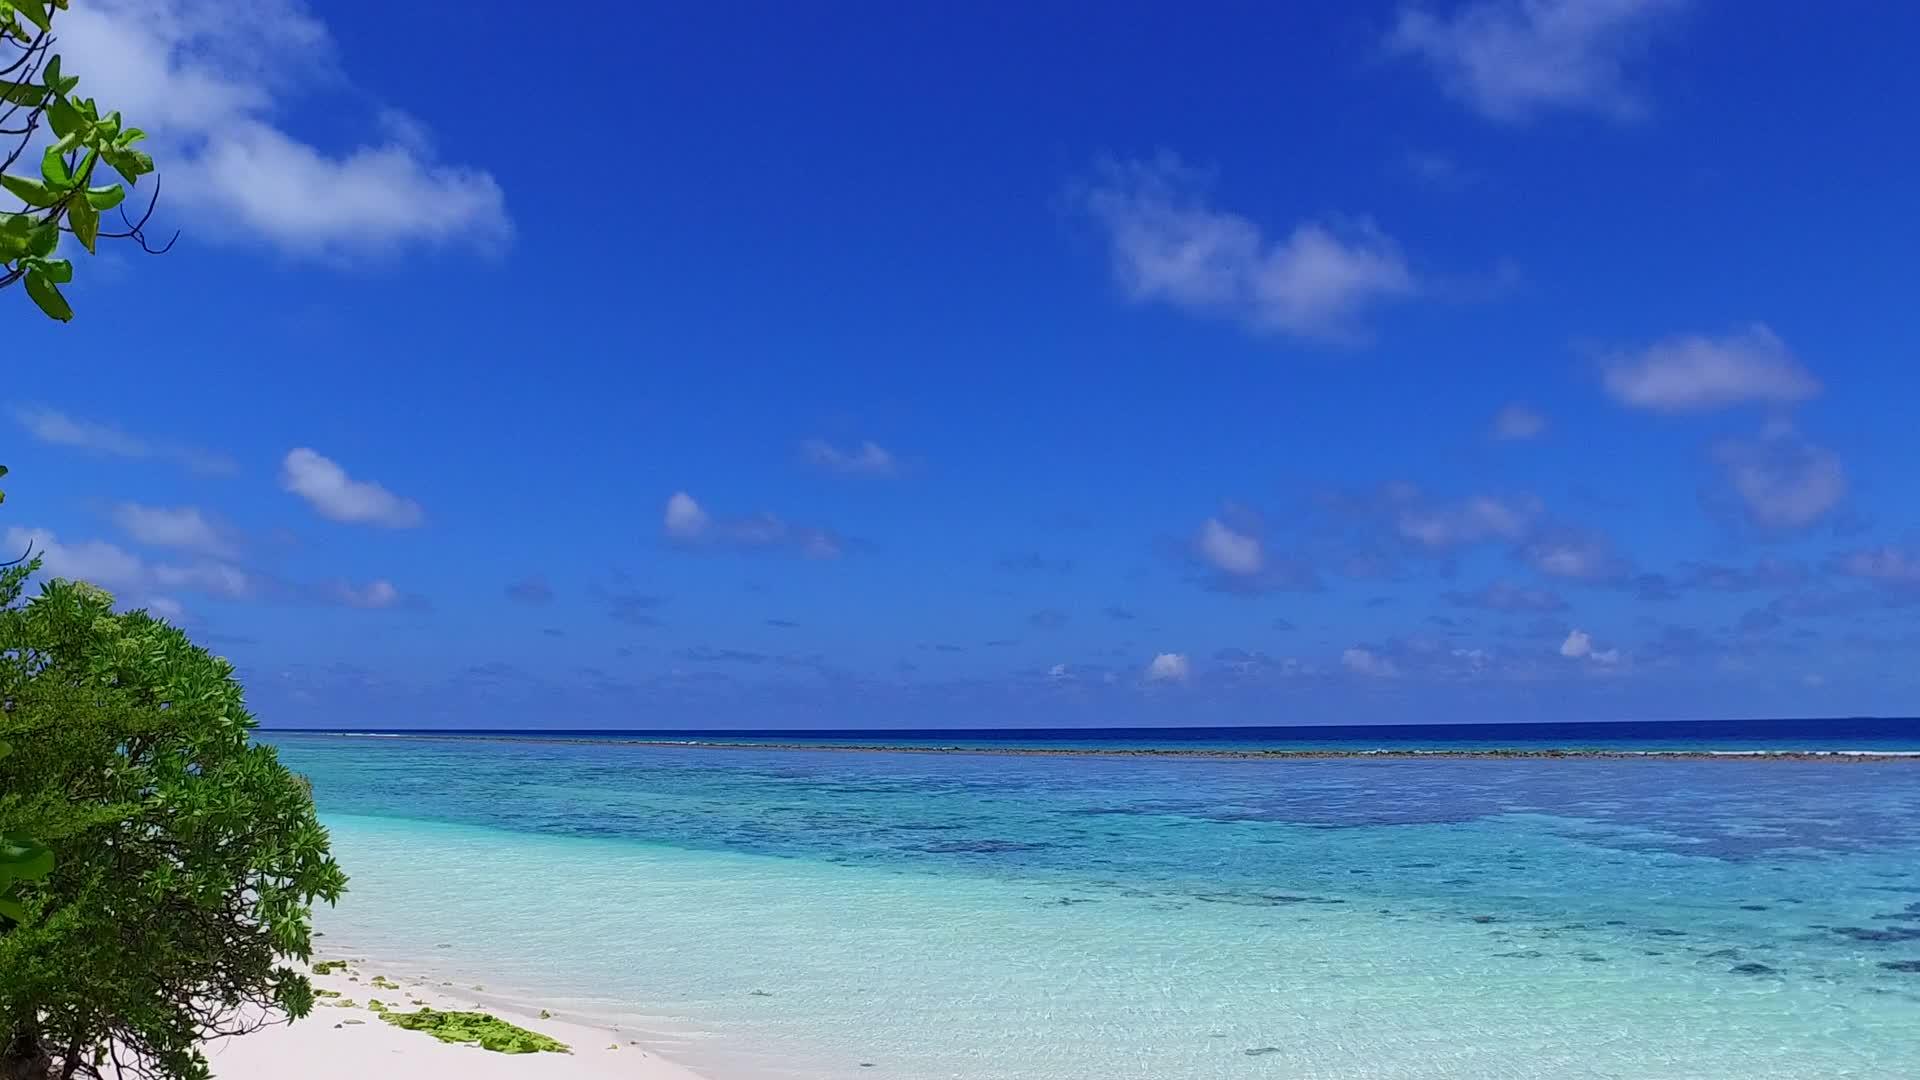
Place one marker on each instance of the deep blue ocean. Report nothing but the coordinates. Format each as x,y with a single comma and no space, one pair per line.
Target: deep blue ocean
1840,733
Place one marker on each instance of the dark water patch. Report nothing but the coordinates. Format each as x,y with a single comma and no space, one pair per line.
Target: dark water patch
1908,967
1666,931
1263,899
1522,954
1880,937
1755,907
1753,969
1260,1051
980,847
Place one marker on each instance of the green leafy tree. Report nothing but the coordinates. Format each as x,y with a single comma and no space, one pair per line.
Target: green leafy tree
22,859
71,191
189,858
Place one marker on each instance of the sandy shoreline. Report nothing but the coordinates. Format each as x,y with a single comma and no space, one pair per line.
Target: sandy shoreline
345,1037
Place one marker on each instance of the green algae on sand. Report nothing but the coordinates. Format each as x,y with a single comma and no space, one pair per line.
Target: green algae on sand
488,1031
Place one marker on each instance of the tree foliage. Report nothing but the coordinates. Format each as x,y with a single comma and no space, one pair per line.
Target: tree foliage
188,856
22,858
69,193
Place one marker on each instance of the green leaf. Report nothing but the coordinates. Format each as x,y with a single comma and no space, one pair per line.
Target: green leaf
106,198
24,860
11,909
84,220
16,232
58,271
65,119
35,11
48,297
22,94
31,192
130,164
44,238
53,168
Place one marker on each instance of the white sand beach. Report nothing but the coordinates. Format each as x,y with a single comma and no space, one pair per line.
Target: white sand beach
339,1040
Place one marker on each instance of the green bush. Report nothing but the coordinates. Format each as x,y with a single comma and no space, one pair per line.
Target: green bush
188,856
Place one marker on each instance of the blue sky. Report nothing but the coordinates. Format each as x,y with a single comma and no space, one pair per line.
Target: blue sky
875,365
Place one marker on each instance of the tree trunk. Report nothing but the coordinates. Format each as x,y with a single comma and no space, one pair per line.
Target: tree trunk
24,1057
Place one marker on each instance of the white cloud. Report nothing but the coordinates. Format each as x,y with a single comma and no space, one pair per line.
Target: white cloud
1169,667
1481,517
115,568
175,527
1784,481
1576,555
1697,373
687,522
210,79
165,607
1579,646
1518,423
1889,564
1512,59
140,583
1168,245
869,458
1369,663
1059,671
684,518
1229,551
60,429
375,594
333,494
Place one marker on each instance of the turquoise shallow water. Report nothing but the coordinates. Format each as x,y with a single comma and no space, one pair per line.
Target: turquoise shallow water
797,914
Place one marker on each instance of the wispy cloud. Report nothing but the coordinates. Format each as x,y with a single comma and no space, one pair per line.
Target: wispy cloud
1510,598
1575,555
1887,564
1701,373
335,495
1049,619
1782,480
1510,60
1366,662
1235,557
213,80
531,591
1517,423
57,428
1169,245
184,527
147,582
687,523
1469,521
1033,562
866,459
1228,551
